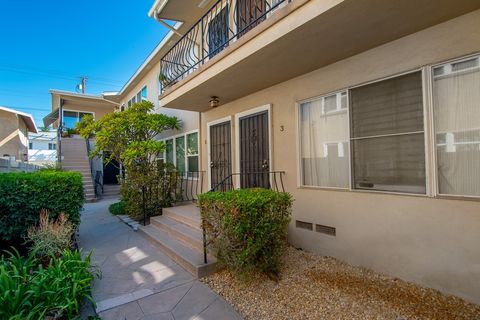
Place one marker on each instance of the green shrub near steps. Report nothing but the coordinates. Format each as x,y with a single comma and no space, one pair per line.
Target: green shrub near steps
247,229
117,208
23,195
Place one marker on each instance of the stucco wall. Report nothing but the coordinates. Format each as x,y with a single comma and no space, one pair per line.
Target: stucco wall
189,119
13,135
434,242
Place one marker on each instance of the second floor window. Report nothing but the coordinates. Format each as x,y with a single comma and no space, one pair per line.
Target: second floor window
52,146
71,118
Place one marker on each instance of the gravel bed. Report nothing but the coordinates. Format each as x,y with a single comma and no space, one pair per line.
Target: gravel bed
316,287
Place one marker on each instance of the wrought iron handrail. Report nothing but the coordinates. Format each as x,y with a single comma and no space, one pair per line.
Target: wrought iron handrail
266,179
274,180
90,161
181,187
211,34
98,182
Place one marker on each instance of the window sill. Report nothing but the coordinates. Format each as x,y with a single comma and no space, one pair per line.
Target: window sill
440,196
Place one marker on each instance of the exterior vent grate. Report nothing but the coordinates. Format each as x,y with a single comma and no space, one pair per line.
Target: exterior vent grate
304,225
331,231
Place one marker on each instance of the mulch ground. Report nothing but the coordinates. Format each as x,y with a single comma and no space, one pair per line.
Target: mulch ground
316,287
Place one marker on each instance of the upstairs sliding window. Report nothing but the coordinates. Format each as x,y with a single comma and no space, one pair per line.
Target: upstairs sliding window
387,135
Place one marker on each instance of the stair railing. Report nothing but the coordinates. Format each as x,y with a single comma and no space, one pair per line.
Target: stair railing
90,162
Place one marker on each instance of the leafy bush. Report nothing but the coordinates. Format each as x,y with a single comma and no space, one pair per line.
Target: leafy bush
25,194
30,291
50,237
131,138
247,229
117,208
161,186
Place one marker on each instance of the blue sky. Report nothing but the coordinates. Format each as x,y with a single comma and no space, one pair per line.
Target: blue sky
49,44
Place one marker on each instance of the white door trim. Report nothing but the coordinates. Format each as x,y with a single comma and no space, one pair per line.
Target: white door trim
209,158
266,107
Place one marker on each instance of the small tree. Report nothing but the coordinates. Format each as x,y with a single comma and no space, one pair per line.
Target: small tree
129,136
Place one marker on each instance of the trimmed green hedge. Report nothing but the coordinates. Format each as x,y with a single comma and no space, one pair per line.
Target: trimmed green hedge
247,229
23,195
117,208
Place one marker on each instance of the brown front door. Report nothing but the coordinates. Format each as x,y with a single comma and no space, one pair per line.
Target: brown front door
254,151
220,154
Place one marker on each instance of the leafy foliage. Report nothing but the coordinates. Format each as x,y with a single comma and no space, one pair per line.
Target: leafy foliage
247,228
130,138
30,291
25,194
50,237
117,208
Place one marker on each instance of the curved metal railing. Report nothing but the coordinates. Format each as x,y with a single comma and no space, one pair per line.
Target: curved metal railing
225,22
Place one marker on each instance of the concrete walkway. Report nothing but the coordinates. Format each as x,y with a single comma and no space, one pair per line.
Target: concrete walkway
138,281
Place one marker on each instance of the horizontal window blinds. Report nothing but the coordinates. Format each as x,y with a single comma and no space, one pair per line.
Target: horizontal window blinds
387,135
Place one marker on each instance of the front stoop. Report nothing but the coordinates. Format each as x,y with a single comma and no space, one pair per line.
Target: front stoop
178,234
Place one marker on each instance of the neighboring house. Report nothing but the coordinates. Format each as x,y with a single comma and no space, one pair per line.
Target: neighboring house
370,108
15,127
42,148
68,108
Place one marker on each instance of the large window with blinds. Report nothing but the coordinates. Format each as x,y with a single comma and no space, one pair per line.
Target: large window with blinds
372,136
387,135
456,106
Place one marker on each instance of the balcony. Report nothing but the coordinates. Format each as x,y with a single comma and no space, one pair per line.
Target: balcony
235,49
225,22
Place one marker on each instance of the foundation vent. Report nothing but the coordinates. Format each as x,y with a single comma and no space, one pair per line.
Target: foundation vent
304,225
331,231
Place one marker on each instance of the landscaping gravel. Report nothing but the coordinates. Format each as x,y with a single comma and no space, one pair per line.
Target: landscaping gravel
316,287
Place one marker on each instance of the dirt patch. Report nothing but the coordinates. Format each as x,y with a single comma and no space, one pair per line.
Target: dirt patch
316,287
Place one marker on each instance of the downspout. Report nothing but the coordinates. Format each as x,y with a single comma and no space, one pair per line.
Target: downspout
166,25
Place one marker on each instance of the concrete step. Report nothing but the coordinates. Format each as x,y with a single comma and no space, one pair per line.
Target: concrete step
192,237
186,214
188,258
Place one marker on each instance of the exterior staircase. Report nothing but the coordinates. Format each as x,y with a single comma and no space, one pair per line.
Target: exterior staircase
178,234
75,158
111,191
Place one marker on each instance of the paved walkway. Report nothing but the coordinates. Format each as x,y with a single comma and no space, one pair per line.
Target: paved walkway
138,281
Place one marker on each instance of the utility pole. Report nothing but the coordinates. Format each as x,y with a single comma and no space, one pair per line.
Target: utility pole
83,84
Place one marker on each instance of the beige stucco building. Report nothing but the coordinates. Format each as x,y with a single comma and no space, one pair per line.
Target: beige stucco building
369,108
14,129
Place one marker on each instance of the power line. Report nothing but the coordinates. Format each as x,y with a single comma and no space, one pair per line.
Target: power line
56,72
57,75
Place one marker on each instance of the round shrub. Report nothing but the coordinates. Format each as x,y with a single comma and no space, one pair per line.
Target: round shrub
247,229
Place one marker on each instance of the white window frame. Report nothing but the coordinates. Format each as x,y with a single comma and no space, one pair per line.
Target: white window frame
300,184
431,163
436,187
174,137
426,128
77,111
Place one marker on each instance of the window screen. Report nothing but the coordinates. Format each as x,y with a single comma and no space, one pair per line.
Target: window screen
387,134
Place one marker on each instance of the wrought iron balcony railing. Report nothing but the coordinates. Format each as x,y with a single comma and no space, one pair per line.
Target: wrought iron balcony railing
225,22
